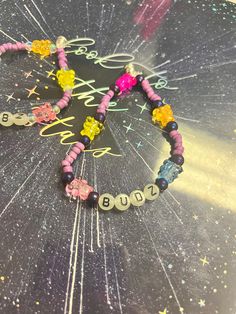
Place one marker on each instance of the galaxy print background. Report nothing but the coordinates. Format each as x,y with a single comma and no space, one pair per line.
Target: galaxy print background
174,255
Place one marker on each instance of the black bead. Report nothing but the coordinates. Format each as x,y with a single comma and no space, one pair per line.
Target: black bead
115,89
162,184
156,104
177,159
171,126
67,177
99,117
85,140
92,199
139,79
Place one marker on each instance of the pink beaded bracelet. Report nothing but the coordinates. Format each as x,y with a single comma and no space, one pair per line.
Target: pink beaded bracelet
45,112
161,114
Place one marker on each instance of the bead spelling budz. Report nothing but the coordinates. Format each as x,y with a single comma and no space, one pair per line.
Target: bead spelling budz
161,114
65,76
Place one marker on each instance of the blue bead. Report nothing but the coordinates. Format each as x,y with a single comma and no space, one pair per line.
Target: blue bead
169,171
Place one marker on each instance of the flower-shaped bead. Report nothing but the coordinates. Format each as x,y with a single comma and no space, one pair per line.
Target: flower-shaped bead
163,115
66,79
91,128
126,82
42,47
44,113
78,188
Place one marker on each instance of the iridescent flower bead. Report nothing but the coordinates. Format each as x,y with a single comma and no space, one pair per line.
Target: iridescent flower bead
169,171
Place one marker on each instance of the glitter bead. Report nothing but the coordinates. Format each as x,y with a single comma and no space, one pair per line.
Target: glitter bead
162,115
91,127
169,171
66,79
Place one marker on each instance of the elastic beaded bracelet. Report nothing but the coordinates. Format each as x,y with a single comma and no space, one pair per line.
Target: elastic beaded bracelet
65,77
161,114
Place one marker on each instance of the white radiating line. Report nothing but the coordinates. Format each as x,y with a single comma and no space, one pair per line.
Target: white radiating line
160,260
26,17
105,265
160,65
40,13
170,209
71,256
117,283
7,35
87,8
82,268
97,210
36,21
74,267
17,192
187,119
24,37
75,234
112,12
183,78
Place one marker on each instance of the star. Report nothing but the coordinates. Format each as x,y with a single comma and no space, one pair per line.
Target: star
50,73
143,107
139,144
202,303
28,74
128,128
204,261
10,97
32,91
195,217
164,312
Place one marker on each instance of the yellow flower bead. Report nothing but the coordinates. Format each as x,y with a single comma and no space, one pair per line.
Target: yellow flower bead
162,115
91,128
42,47
66,79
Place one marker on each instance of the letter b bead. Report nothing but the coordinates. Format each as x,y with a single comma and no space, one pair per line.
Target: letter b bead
106,201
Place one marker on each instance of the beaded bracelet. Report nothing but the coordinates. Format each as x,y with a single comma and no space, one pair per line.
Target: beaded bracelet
161,114
65,77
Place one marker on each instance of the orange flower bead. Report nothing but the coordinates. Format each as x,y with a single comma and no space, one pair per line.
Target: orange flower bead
42,47
163,115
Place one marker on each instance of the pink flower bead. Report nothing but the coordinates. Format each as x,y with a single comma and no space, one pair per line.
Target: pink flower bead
126,82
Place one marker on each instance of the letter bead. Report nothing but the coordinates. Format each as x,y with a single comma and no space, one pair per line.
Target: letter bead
6,118
151,192
122,202
106,201
137,198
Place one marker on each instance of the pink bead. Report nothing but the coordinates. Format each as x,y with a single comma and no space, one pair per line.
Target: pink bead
173,133
65,163
72,154
155,97
80,146
150,94
145,84
68,169
101,111
68,93
70,159
76,149
106,98
110,93
126,82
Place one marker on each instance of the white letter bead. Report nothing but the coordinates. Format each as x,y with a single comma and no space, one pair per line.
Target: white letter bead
122,202
21,119
151,191
106,201
6,118
137,198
